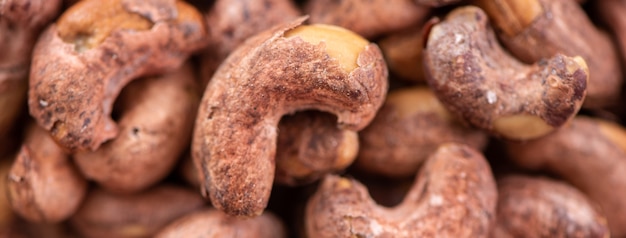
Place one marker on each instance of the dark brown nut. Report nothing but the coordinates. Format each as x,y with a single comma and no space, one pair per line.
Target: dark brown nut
437,3
480,83
453,196
537,29
403,54
7,216
310,146
156,122
280,71
20,24
367,18
104,214
214,223
406,130
611,13
231,22
542,207
81,63
43,184
589,154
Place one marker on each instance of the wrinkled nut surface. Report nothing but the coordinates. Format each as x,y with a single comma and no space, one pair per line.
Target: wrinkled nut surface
214,223
367,18
454,195
231,22
589,154
536,29
310,146
143,214
82,62
43,183
280,71
480,83
406,130
542,207
156,121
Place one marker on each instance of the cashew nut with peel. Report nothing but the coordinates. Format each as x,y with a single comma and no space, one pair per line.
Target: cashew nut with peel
280,71
480,83
454,195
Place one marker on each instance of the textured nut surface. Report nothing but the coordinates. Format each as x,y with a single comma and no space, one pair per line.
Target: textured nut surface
275,73
454,195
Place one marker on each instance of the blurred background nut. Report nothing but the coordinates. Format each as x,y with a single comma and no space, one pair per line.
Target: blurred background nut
477,81
543,207
407,129
143,214
214,223
156,121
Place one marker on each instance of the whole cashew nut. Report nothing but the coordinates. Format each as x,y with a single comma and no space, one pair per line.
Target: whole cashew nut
280,71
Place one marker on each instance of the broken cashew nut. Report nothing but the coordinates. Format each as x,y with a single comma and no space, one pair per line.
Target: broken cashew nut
280,71
454,195
480,83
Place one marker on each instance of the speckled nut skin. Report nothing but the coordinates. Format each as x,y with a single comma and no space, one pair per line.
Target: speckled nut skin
43,183
143,214
542,207
589,154
310,146
20,24
231,22
454,195
536,29
214,223
367,18
280,71
406,130
480,83
156,123
81,63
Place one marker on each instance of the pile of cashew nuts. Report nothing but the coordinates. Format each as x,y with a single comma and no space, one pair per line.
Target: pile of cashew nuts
312,118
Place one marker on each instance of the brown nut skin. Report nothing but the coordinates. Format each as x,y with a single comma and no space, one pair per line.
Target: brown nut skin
480,83
403,54
437,3
611,13
157,116
552,27
231,22
43,183
214,223
542,207
275,73
310,145
589,154
81,64
7,216
143,214
20,24
454,195
367,18
406,130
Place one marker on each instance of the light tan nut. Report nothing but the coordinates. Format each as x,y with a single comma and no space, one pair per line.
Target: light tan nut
156,122
367,18
453,196
20,24
310,146
214,223
542,207
403,53
81,63
536,29
406,130
283,70
589,154
143,214
43,183
231,22
480,83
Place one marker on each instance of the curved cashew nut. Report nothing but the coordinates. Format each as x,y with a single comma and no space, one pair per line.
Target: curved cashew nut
477,81
82,63
280,71
454,195
156,121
